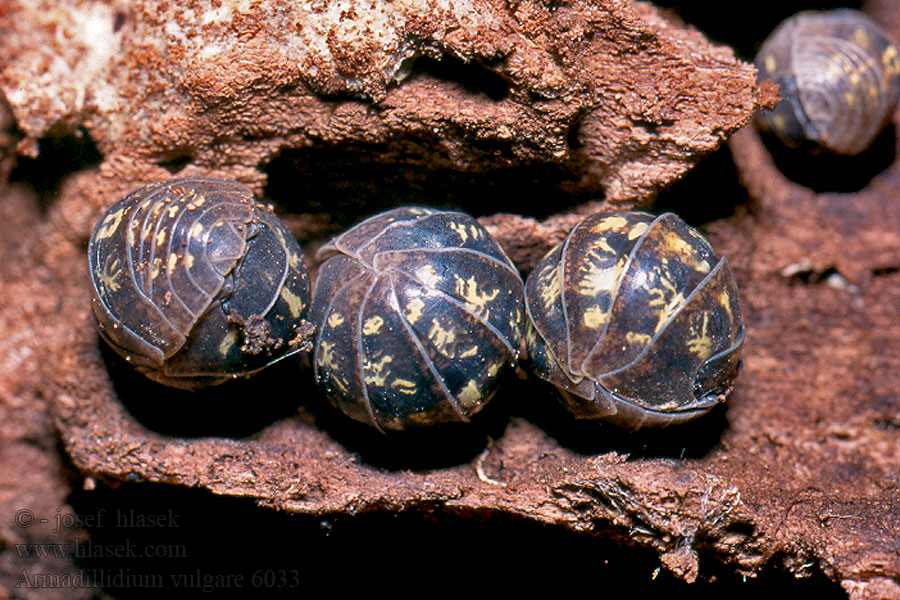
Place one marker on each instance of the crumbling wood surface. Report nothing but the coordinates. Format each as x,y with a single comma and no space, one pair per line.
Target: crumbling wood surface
799,471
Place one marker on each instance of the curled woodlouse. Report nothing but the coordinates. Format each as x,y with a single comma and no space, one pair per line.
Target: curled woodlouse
635,320
195,283
839,78
417,312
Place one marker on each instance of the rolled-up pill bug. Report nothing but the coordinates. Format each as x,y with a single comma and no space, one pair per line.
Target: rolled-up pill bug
839,78
417,313
635,320
195,283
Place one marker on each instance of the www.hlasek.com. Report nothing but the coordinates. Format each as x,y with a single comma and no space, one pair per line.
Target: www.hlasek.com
90,550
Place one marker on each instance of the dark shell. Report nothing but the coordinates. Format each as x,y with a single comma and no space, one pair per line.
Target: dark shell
417,313
195,283
635,319
839,78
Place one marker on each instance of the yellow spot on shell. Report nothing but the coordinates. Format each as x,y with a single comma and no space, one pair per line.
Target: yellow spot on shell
470,395
228,341
335,319
779,123
110,273
677,245
551,290
849,98
725,302
861,37
597,280
295,304
637,231
326,356
634,339
427,275
594,317
460,230
469,353
440,337
468,290
373,325
377,373
414,310
173,259
197,230
154,270
110,223
493,369
189,260
770,63
701,344
404,386
613,223
173,210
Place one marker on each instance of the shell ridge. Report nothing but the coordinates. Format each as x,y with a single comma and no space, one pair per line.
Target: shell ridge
614,293
458,303
687,301
413,336
447,249
367,401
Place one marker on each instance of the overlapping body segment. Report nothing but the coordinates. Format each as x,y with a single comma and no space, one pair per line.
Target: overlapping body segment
635,319
195,283
418,311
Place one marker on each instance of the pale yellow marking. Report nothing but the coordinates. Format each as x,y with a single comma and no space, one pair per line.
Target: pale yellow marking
197,202
173,260
295,304
635,339
701,344
771,64
326,357
373,325
335,319
470,395
849,99
594,317
131,231
173,210
404,386
725,302
551,290
228,341
197,230
613,223
469,353
414,310
637,231
873,91
111,223
460,230
854,79
703,266
861,37
110,273
293,260
493,369
189,260
427,275
666,309
677,244
440,337
154,270
477,232
598,280
468,289
377,373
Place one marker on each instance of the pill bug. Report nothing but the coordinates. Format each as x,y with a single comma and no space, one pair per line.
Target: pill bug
635,320
417,313
195,283
839,78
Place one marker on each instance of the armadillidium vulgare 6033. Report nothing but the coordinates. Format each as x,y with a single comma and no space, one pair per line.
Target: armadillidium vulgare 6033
839,77
195,283
417,312
635,320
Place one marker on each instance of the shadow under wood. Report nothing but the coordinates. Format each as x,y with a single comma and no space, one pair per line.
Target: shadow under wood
540,403
355,182
176,542
234,409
